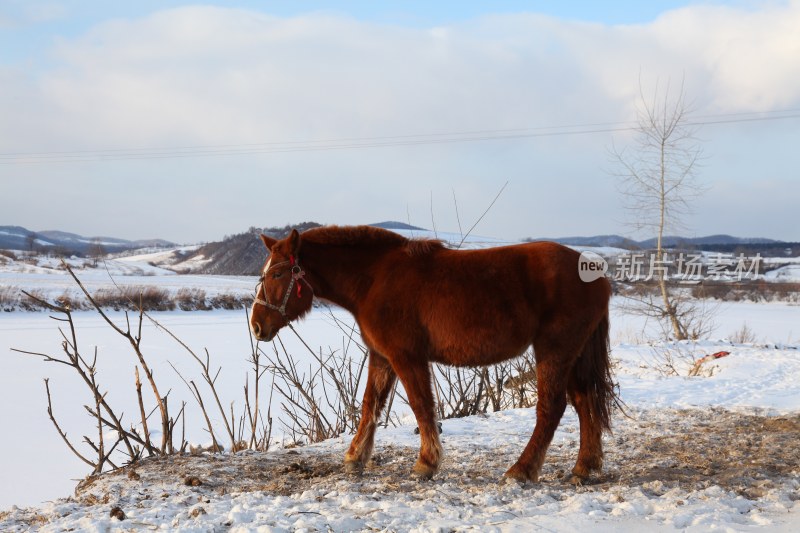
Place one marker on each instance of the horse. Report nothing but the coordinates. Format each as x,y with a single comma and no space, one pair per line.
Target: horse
417,301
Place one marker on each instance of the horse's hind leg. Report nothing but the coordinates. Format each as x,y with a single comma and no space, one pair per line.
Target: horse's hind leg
416,379
550,407
380,379
591,391
590,455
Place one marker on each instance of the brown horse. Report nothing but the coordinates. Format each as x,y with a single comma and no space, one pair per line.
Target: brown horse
416,301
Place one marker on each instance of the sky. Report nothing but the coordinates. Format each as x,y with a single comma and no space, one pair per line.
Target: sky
189,122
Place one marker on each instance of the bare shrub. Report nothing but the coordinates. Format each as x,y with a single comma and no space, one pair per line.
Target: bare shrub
130,297
718,291
743,335
782,291
469,391
229,301
66,299
188,299
33,302
132,441
322,401
101,412
682,359
672,359
9,296
696,316
749,290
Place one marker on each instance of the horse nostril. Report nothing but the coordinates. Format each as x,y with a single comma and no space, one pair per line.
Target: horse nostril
256,330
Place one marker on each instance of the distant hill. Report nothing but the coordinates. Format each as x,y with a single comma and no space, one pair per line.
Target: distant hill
242,254
614,241
61,242
672,241
710,242
393,225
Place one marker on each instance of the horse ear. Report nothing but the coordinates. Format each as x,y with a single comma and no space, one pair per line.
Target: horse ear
294,241
269,242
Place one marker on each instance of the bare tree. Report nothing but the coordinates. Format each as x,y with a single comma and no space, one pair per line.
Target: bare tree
131,441
30,241
96,250
658,182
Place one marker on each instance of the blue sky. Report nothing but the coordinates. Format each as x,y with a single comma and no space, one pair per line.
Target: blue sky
96,81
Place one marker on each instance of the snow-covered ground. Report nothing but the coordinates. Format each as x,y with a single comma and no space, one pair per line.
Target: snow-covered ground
714,451
45,277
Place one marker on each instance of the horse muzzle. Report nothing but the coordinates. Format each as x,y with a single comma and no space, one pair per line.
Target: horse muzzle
262,334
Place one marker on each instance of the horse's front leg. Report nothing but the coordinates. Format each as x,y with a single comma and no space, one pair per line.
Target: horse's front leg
380,379
416,379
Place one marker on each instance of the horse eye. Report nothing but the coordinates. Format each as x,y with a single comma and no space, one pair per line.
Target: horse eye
276,275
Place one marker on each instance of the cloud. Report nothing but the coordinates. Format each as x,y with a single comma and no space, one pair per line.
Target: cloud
206,74
749,57
218,76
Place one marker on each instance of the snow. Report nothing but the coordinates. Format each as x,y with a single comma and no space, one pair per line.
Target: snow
786,273
643,485
48,279
455,240
738,382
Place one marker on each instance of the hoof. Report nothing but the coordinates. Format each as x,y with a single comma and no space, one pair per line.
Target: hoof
422,472
354,468
582,472
516,473
578,481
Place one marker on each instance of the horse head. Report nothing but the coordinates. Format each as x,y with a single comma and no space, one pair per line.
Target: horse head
282,293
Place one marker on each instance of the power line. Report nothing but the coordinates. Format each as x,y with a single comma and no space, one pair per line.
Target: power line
121,154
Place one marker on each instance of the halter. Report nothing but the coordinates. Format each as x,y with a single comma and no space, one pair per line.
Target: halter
297,275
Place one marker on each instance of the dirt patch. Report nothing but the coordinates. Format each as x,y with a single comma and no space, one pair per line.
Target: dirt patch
692,449
742,453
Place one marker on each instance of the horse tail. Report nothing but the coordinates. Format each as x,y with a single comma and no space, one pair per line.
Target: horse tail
591,375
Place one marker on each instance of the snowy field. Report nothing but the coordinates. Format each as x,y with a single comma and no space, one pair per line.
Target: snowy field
46,278
718,450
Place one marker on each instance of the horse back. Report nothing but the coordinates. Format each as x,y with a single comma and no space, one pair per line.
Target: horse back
470,307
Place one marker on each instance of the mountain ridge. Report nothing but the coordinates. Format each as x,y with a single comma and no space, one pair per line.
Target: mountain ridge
20,238
242,253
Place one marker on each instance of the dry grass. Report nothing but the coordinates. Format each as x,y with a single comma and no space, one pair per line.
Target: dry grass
130,296
743,335
126,298
652,452
696,449
748,291
9,296
191,299
230,301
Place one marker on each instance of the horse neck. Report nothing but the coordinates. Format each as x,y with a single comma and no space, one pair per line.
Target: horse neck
338,274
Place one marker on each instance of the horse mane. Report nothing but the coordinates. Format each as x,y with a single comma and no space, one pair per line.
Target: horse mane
369,236
417,247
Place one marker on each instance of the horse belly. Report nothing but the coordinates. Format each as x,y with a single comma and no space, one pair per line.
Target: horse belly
463,341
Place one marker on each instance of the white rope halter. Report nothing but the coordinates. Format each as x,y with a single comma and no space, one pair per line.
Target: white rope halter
297,275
